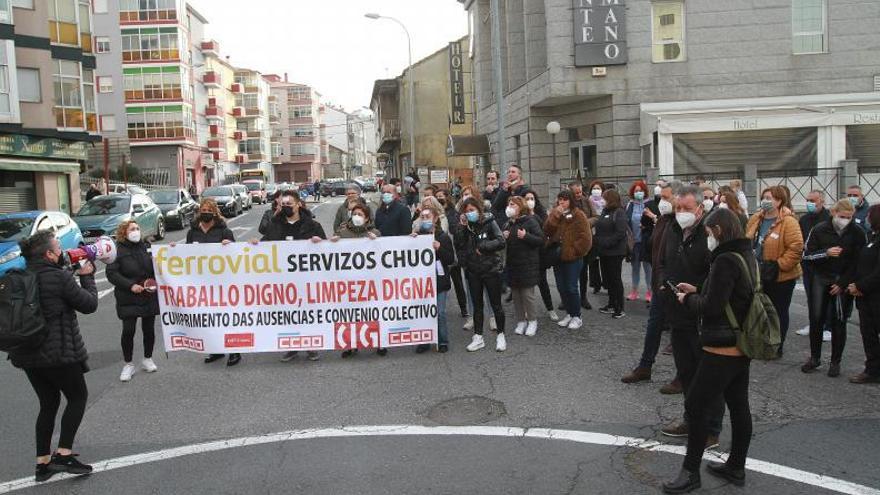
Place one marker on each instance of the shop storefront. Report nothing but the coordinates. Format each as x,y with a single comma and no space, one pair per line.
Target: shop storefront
39,173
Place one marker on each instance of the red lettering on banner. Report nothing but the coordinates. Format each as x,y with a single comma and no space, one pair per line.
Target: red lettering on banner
184,342
411,337
341,291
362,335
408,289
238,340
300,341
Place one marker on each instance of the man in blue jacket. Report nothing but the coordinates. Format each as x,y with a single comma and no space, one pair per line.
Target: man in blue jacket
393,217
857,198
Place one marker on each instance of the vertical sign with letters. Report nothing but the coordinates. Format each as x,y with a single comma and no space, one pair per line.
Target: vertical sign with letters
456,82
599,32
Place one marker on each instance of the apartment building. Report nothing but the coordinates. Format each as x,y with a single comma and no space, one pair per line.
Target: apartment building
48,111
251,111
297,131
218,78
150,78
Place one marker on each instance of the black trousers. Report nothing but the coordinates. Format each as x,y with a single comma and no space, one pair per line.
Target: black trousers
544,287
835,310
687,353
613,280
597,278
49,384
458,285
492,284
719,377
780,295
129,326
869,324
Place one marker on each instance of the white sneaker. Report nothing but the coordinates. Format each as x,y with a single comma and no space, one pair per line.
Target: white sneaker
469,324
575,323
500,343
552,315
565,321
826,336
804,331
149,366
492,324
476,344
520,328
532,329
127,372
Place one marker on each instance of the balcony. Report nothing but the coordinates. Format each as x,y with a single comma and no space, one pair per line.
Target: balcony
251,90
389,135
215,145
274,118
213,112
240,135
211,48
218,155
242,158
214,130
239,112
237,88
212,80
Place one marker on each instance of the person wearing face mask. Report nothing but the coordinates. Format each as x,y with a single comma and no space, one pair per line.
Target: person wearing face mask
525,237
816,214
393,217
568,229
832,250
466,193
866,289
708,199
444,197
134,285
611,240
58,365
209,227
352,198
429,221
686,260
727,200
723,371
479,243
597,203
271,212
637,221
514,187
779,246
434,204
857,198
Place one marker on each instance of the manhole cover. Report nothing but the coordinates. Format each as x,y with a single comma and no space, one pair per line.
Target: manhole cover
463,411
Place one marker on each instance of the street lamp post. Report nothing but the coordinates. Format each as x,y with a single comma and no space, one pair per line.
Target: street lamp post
553,129
412,97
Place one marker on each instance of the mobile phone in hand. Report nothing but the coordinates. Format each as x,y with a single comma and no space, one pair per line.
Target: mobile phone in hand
671,286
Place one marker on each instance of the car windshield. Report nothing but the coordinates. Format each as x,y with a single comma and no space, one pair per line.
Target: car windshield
217,192
253,186
164,197
15,229
106,205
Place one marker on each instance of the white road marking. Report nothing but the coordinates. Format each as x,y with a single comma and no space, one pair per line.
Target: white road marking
241,229
584,437
101,296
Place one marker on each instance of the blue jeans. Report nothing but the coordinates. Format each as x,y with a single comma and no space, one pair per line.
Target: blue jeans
653,332
567,277
639,264
442,330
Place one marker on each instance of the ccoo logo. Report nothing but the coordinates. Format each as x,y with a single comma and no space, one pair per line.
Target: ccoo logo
361,335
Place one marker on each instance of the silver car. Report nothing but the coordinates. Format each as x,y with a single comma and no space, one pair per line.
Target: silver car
242,192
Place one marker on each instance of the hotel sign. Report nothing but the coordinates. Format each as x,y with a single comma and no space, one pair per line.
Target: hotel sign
21,145
599,32
456,82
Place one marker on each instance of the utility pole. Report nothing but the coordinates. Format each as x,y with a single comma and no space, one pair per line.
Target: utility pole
499,79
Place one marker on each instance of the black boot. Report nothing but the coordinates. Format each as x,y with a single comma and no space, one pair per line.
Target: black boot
725,472
213,357
233,359
686,482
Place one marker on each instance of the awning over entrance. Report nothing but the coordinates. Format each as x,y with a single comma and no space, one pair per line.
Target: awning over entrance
468,145
15,165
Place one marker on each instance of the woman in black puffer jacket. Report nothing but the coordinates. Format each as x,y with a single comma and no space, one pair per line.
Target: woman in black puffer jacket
611,241
58,365
134,285
723,369
525,237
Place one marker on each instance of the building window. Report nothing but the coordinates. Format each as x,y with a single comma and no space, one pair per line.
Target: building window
153,83
247,100
63,27
67,81
809,23
299,93
5,12
100,6
105,84
302,149
150,44
147,10
162,122
301,112
250,147
85,26
667,30
5,83
108,123
89,99
29,85
304,131
102,44
22,4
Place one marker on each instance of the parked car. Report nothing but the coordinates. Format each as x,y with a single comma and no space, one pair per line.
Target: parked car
256,189
270,189
367,185
230,203
178,207
242,192
337,188
103,214
115,188
17,226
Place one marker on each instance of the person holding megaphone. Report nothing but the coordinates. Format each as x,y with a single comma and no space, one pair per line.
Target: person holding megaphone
134,285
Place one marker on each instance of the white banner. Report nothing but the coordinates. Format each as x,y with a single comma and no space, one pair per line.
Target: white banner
296,295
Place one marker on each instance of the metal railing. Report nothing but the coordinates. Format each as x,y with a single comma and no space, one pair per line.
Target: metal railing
801,181
713,180
869,180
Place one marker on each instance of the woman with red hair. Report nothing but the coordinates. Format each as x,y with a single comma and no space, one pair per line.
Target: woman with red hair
638,193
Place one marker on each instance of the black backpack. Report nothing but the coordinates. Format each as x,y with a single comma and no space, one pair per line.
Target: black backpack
22,326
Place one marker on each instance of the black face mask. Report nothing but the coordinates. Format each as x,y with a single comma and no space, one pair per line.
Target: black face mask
62,260
287,211
206,217
442,202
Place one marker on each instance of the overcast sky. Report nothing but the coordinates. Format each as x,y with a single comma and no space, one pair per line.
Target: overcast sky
329,44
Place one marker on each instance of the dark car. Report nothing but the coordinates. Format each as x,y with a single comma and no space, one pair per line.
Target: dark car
229,202
367,185
177,206
337,188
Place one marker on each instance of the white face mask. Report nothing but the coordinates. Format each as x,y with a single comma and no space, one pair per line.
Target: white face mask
708,204
358,220
723,206
665,207
510,212
711,243
841,223
531,204
596,193
685,219
134,236
657,190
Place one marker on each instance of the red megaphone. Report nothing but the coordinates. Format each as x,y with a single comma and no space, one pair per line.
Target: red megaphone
104,249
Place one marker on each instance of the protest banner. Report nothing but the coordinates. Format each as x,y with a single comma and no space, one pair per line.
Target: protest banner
297,295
